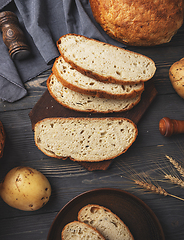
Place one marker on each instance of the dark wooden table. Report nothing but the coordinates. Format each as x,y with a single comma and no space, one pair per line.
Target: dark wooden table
145,159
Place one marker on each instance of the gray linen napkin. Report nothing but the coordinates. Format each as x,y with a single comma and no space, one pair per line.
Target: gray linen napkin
43,22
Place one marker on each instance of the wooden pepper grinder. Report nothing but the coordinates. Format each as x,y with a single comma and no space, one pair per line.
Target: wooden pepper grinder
168,126
13,36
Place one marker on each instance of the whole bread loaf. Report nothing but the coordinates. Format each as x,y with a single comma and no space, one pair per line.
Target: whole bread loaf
105,62
86,103
78,230
79,82
85,139
106,222
138,22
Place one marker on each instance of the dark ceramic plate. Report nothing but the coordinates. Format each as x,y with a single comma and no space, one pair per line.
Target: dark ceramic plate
139,218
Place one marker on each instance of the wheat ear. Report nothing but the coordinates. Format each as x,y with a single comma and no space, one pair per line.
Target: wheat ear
175,180
153,188
178,167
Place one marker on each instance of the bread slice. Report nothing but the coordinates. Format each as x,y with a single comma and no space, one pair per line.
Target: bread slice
86,103
78,230
105,62
85,139
106,222
78,82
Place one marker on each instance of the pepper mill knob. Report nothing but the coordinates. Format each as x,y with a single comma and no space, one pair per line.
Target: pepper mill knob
13,36
168,126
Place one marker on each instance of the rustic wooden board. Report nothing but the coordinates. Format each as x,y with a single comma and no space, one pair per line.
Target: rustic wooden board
48,107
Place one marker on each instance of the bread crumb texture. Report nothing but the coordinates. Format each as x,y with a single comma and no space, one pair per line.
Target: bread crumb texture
106,222
86,103
105,60
85,139
80,231
72,78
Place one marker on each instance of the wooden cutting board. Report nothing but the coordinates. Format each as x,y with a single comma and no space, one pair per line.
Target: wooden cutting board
48,107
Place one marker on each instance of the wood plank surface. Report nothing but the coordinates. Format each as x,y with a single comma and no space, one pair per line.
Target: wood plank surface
146,159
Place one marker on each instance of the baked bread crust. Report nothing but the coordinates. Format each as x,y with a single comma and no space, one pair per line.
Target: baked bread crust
105,221
85,139
140,22
78,82
86,103
105,62
79,230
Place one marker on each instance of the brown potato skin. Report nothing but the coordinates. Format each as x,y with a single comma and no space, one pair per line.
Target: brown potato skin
176,75
25,188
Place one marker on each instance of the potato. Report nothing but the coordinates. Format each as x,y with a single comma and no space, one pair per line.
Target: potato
176,75
25,188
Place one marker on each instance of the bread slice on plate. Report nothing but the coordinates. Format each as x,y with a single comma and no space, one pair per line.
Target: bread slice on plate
85,139
86,103
105,62
105,221
78,230
79,82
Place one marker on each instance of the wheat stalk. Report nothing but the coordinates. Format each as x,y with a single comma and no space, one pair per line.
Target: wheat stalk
178,167
151,187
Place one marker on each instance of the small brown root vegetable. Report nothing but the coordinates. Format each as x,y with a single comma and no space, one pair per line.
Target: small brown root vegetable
25,188
176,75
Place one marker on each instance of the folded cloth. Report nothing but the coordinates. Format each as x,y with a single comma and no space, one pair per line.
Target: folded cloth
3,3
43,23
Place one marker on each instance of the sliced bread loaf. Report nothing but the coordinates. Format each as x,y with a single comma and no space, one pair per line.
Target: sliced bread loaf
86,103
79,82
105,62
106,222
85,139
78,230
